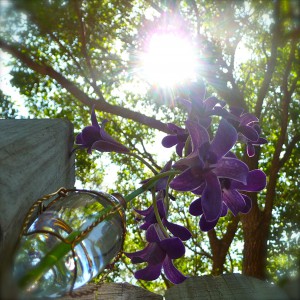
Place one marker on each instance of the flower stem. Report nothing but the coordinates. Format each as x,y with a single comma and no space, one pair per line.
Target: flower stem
149,184
157,216
143,161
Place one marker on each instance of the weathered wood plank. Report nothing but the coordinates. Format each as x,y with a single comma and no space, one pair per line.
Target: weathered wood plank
227,287
116,291
34,160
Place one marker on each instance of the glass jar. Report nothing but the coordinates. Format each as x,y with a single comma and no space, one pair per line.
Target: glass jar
78,210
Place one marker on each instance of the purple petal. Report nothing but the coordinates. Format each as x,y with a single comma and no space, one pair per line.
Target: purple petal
89,135
106,137
187,181
261,141
186,103
171,272
198,133
161,209
167,166
79,140
104,146
233,200
210,103
212,198
250,150
192,160
224,210
226,137
196,208
169,141
178,230
248,118
179,149
175,128
94,118
173,247
162,183
151,272
231,154
199,190
151,234
144,212
256,181
145,225
219,111
152,253
249,133
205,121
232,168
237,111
197,92
256,127
205,225
248,205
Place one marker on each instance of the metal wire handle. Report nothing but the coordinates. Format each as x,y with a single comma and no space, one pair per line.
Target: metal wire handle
63,192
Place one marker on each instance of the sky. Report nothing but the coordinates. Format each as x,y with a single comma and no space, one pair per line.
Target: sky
7,88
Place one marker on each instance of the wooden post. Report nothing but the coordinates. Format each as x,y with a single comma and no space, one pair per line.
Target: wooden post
34,160
114,291
227,286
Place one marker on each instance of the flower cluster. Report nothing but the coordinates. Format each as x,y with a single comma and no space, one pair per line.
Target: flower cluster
161,248
209,169
206,167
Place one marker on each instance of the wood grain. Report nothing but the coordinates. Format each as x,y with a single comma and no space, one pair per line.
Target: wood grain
34,160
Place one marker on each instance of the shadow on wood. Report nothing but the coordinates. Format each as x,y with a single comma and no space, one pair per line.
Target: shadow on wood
34,160
115,291
227,286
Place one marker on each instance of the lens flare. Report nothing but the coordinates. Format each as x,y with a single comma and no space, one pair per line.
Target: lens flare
168,60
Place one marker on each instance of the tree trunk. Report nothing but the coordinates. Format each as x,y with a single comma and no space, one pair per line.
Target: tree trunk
256,232
220,247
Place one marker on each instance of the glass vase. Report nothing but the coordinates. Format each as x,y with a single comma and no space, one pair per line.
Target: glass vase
77,210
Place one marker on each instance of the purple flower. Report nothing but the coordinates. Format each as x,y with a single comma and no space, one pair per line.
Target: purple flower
201,109
178,138
159,253
150,218
232,199
207,163
95,138
248,129
161,183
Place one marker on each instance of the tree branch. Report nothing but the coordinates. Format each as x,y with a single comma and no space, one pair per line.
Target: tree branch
286,98
289,149
82,35
271,62
100,104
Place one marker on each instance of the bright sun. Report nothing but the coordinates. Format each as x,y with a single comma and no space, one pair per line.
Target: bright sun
169,60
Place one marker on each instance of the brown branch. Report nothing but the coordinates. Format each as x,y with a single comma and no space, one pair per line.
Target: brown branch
286,99
44,30
148,155
100,104
289,149
218,79
202,252
82,35
221,246
271,62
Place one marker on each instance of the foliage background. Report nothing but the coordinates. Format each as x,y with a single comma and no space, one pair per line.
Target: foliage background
70,55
